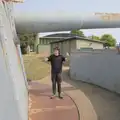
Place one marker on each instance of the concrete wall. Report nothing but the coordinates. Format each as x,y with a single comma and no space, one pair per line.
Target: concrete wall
13,90
84,43
100,67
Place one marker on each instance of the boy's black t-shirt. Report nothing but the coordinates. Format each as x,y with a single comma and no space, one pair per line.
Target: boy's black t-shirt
56,63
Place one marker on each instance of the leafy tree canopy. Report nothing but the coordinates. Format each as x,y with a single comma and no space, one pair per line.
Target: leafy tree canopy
27,38
78,33
108,39
94,37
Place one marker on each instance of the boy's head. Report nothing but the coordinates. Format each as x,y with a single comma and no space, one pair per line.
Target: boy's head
56,51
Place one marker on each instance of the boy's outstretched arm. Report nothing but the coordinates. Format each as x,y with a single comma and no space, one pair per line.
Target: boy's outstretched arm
47,59
64,59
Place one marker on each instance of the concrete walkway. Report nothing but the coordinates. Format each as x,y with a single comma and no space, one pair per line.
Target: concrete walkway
41,107
93,103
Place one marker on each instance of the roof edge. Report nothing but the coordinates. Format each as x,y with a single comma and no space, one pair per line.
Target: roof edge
76,37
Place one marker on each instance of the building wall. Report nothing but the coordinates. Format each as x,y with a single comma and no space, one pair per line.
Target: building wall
72,45
44,49
61,47
46,41
53,45
84,43
69,46
65,46
44,46
99,67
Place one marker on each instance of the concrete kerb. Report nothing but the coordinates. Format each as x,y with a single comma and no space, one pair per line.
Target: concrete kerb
86,109
74,104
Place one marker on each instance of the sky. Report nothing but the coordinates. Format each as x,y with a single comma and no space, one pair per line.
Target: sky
74,6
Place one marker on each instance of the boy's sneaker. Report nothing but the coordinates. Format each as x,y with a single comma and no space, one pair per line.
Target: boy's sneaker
61,97
53,96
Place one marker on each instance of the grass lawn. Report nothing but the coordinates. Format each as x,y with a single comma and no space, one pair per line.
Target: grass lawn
35,67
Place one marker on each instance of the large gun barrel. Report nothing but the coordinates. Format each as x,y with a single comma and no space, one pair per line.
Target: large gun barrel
50,22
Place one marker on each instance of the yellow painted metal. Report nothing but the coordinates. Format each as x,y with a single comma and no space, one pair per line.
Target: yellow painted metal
108,16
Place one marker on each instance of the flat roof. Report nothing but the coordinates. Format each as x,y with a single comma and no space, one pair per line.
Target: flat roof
76,38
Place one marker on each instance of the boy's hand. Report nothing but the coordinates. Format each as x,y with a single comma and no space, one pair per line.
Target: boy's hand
66,59
46,59
67,54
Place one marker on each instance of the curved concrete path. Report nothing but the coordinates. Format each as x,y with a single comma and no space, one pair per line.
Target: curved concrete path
93,103
41,107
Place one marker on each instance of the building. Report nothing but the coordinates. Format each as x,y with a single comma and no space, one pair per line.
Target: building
66,42
54,37
72,43
44,42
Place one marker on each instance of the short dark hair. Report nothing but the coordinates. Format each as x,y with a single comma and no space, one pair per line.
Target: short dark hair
56,48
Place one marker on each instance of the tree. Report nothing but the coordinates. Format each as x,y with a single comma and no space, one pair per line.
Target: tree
27,39
94,37
108,39
78,33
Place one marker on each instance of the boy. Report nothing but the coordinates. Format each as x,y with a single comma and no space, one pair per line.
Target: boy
56,61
